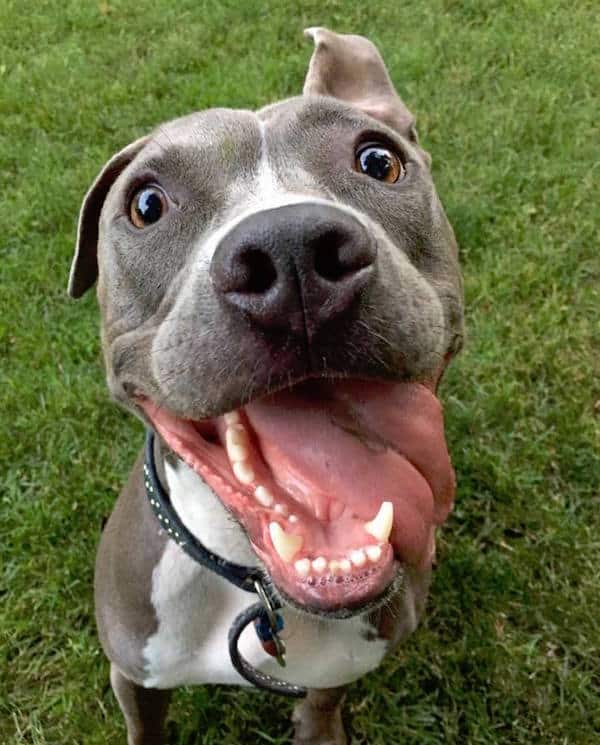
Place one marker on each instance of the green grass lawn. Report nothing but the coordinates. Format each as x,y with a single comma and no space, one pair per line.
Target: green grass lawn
506,94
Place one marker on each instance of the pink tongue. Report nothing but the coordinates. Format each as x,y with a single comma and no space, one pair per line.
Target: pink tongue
342,449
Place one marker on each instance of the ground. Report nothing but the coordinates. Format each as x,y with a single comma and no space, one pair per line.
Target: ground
505,97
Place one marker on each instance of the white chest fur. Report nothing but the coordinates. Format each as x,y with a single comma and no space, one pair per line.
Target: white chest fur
195,609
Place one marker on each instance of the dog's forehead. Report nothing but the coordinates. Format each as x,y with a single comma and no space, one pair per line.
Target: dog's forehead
241,137
226,135
229,158
309,111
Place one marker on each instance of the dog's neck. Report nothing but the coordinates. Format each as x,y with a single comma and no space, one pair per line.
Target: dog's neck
203,513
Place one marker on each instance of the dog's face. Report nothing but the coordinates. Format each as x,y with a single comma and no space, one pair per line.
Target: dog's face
280,294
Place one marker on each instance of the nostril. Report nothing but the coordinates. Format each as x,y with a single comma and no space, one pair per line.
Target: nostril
337,255
328,263
257,272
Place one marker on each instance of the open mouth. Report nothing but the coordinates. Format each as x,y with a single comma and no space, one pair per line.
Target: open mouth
336,483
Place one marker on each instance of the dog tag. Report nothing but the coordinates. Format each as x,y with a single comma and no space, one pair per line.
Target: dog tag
269,636
268,625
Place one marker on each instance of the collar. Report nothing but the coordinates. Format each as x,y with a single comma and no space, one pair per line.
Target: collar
263,614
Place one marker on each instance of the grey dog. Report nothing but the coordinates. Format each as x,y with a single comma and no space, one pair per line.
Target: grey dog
280,296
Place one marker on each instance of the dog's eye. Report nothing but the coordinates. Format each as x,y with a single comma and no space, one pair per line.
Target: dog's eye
148,205
379,162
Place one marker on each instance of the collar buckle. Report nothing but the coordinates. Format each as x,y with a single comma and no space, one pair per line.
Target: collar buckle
275,624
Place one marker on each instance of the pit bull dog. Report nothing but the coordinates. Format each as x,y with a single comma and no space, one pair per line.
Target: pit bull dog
280,295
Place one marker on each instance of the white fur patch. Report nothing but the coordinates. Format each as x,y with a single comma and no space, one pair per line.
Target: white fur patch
195,609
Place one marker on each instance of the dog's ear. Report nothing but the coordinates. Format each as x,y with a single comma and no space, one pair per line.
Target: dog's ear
350,68
84,269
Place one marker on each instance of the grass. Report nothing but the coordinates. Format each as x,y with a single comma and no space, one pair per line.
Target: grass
505,93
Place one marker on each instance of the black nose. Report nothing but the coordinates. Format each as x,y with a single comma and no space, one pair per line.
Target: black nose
294,267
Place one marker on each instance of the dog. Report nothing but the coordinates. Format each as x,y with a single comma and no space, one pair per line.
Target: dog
280,294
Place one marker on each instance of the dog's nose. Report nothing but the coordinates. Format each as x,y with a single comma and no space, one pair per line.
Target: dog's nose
294,267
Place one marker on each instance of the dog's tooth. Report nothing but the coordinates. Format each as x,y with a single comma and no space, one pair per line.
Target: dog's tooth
236,443
237,434
232,417
243,472
358,557
263,496
286,544
282,509
293,519
374,553
302,567
334,566
237,453
380,526
319,564
345,565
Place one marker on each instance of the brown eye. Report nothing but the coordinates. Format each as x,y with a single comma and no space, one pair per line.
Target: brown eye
148,205
379,162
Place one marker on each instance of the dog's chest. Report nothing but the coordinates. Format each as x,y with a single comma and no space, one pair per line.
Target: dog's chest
195,609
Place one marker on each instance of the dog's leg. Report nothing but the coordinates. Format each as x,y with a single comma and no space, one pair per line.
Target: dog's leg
144,709
318,718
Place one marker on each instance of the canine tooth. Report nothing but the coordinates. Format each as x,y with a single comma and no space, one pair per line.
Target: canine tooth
334,565
293,518
237,453
237,434
380,526
282,509
345,565
358,557
302,566
263,496
286,544
374,553
319,564
236,443
244,473
232,417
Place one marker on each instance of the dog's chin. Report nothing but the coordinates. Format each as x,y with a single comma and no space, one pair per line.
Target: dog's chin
338,485
347,608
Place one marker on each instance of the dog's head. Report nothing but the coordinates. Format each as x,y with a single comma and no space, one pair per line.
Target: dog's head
280,295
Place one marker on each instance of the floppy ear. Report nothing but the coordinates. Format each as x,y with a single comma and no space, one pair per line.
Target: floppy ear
84,269
350,68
